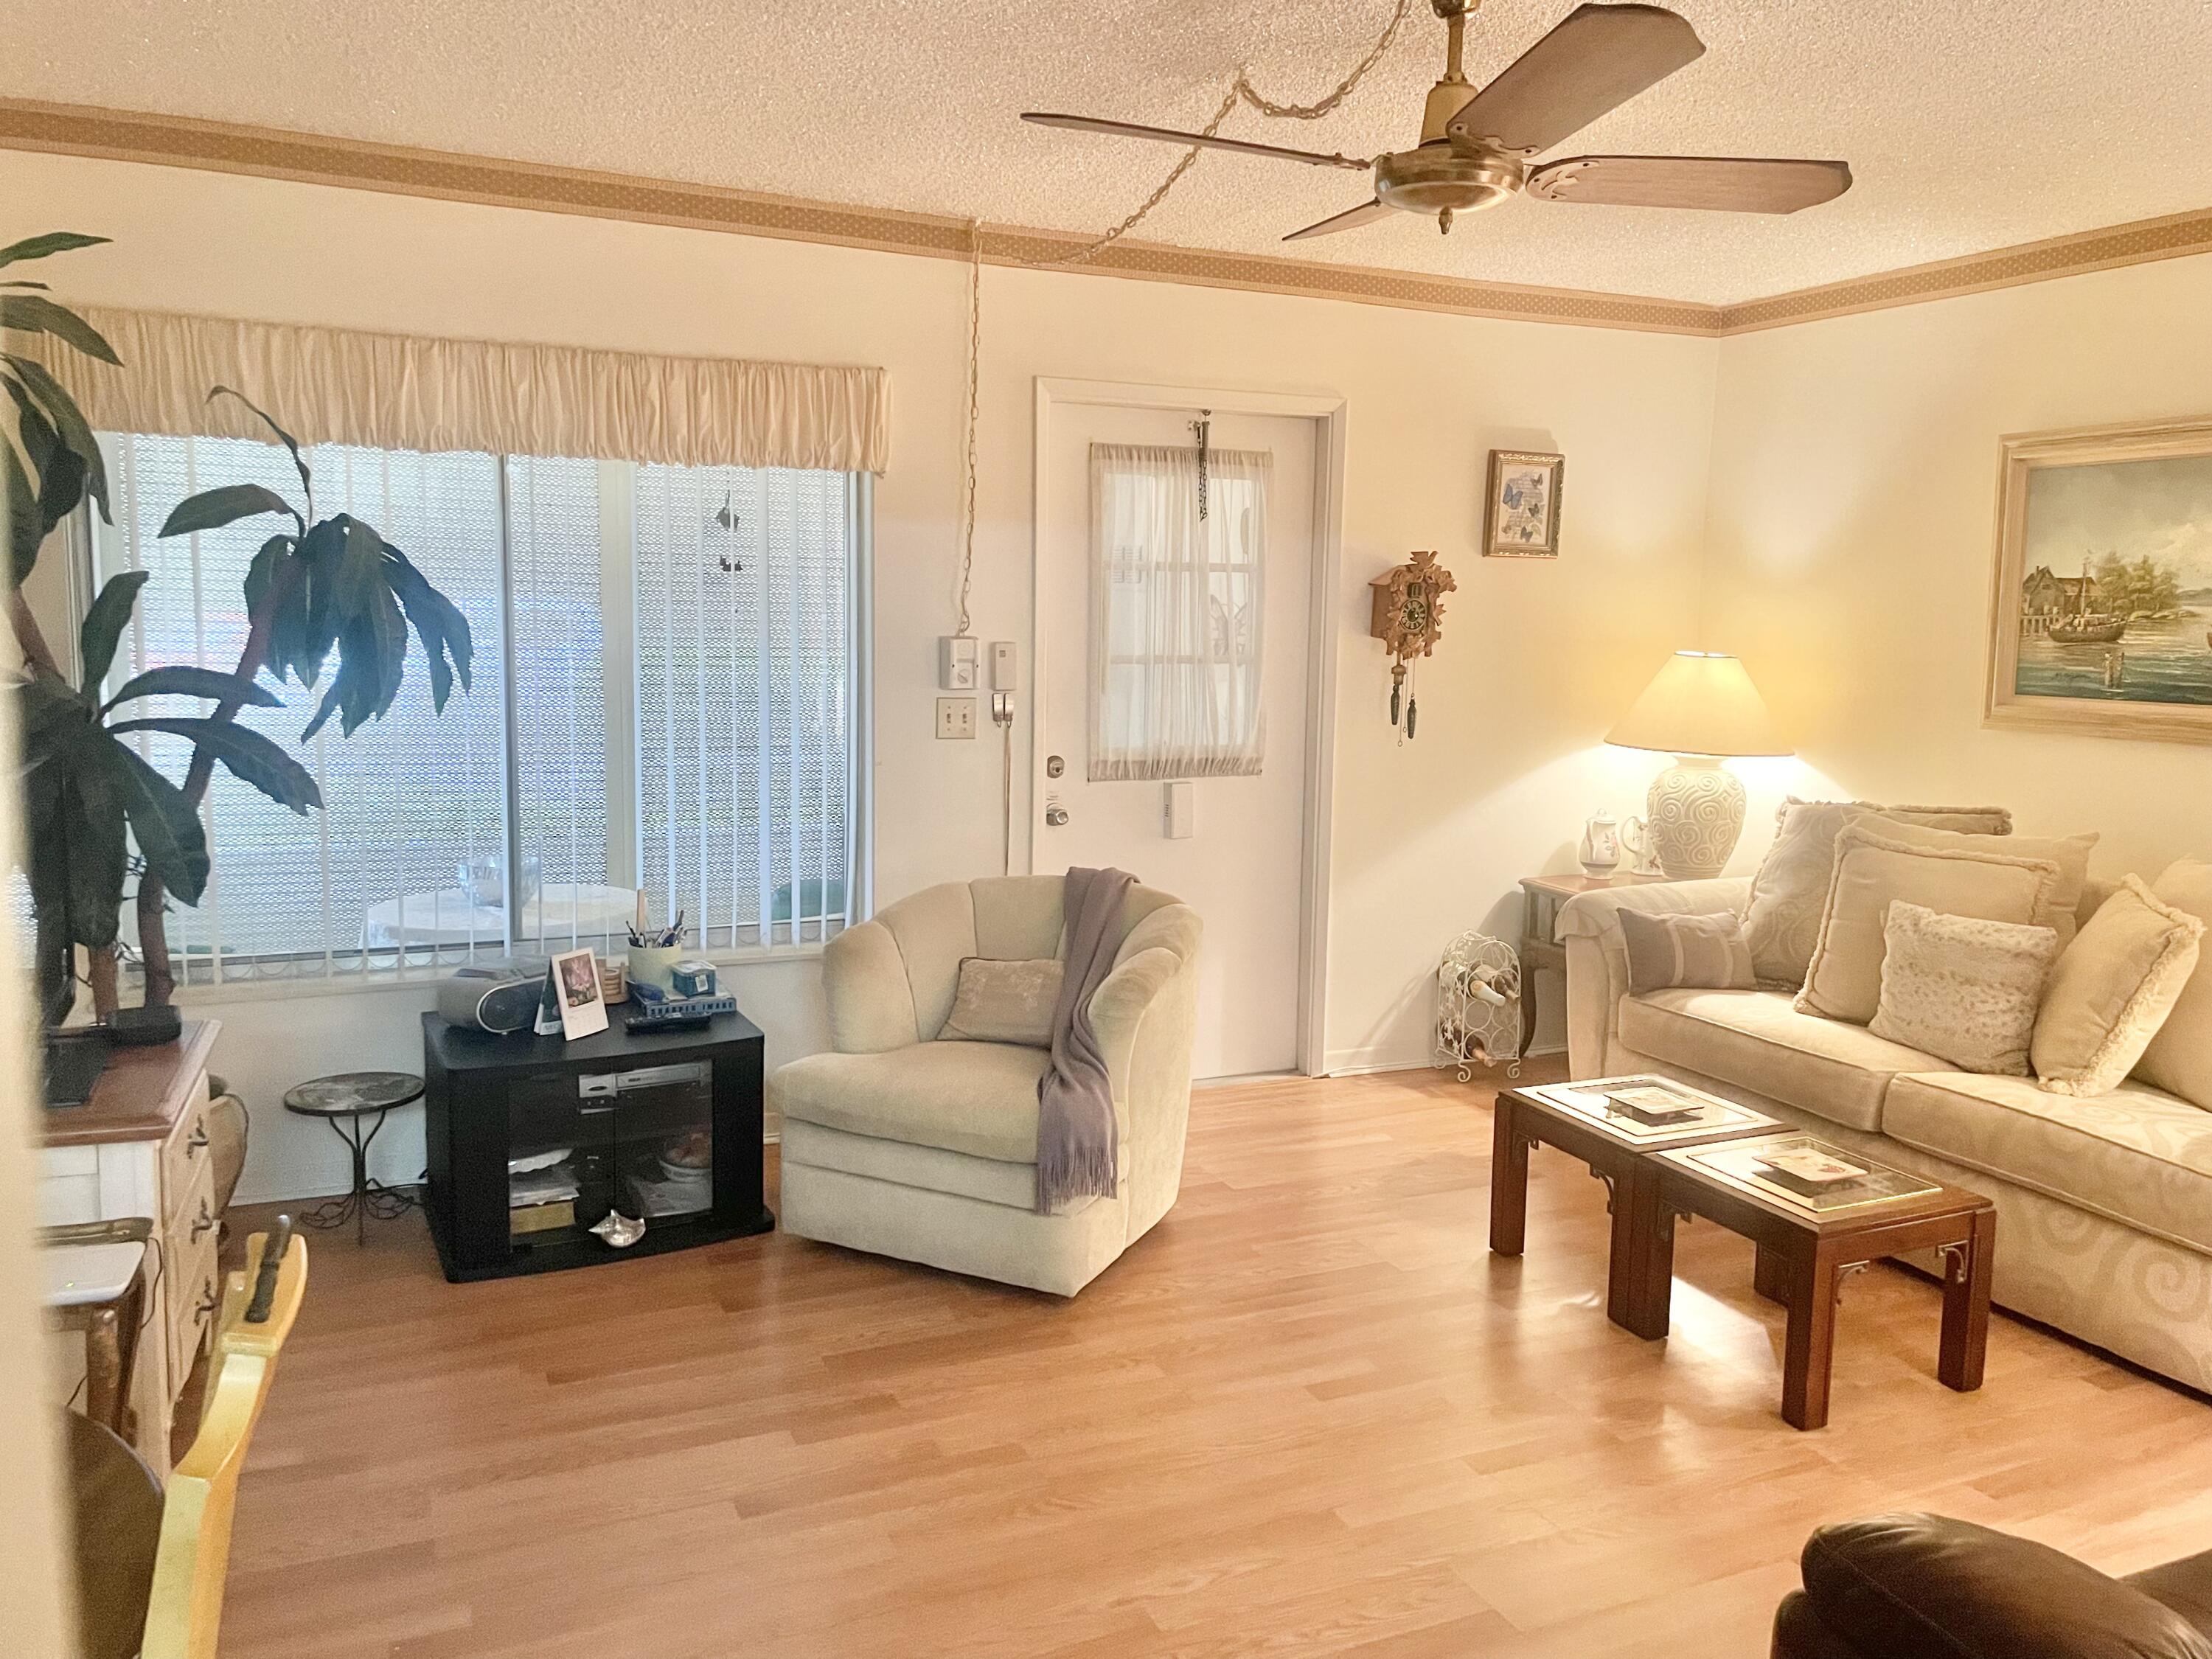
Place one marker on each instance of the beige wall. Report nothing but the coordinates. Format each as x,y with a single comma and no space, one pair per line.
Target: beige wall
1429,837
1853,521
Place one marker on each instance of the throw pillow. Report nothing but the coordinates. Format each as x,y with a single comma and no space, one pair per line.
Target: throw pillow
2111,990
1962,989
1706,952
2070,853
1843,981
1005,1002
1782,923
2179,1058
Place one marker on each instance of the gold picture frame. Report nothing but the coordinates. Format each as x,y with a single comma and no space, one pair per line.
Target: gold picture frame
1521,505
2100,602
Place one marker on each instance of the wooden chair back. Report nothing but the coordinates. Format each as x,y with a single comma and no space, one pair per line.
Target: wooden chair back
184,1610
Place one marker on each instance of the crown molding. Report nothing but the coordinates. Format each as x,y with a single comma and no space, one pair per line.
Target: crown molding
358,164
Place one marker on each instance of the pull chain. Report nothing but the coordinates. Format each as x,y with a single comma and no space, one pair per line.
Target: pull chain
1203,426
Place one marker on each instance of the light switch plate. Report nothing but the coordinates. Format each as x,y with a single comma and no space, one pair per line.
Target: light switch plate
1179,809
956,717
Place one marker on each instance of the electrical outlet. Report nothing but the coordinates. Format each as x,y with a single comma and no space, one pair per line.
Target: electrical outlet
956,717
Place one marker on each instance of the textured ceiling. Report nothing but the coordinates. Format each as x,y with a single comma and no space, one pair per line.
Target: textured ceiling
1969,124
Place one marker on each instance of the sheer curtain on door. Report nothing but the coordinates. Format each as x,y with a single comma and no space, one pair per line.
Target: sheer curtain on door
1176,606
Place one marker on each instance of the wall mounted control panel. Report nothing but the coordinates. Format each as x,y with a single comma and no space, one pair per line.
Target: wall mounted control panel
957,663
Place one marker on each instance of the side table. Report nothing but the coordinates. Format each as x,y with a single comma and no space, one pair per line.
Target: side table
352,1096
1540,899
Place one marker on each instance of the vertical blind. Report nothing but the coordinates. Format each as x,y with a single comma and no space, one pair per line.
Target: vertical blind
663,700
1177,601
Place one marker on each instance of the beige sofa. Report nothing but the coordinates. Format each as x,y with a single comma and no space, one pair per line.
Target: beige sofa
2104,1204
904,1145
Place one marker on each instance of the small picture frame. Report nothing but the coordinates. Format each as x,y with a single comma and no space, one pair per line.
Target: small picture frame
574,976
1521,508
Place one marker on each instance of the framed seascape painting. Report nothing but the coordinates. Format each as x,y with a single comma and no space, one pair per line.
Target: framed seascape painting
2101,614
1521,512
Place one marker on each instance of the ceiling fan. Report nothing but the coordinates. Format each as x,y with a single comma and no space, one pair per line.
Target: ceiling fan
1477,146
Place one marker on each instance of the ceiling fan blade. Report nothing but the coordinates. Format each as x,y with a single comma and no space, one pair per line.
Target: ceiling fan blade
1170,136
1727,184
1365,213
1598,59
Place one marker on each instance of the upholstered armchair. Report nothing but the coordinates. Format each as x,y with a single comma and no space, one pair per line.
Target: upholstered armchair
908,1142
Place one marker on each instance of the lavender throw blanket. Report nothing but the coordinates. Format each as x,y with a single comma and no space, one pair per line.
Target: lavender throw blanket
1075,1135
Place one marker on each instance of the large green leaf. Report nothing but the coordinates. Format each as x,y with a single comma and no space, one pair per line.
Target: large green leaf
182,680
444,630
49,716
68,421
299,461
27,530
54,241
104,624
34,314
254,759
170,838
225,504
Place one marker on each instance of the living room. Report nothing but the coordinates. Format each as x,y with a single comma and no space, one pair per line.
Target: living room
1316,1410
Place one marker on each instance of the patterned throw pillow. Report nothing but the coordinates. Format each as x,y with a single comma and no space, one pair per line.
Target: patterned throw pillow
2112,990
1963,989
1005,1002
1782,923
1666,952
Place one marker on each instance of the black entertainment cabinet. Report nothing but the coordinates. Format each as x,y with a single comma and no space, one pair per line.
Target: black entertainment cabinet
533,1140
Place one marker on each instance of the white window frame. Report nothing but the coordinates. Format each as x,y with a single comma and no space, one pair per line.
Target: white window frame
617,554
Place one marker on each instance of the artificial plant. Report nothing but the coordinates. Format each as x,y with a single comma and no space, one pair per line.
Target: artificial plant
325,583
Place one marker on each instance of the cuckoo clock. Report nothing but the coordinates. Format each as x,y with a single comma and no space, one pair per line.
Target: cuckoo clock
1409,615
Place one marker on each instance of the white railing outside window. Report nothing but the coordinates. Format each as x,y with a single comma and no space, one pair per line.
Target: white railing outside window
667,697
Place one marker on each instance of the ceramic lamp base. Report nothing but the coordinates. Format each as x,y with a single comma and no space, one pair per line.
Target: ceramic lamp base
1695,816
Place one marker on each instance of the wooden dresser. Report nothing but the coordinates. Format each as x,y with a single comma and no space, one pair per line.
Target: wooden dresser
139,1147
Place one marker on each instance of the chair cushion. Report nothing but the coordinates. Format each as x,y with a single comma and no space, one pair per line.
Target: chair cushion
1756,1040
1006,1001
2137,1155
979,1098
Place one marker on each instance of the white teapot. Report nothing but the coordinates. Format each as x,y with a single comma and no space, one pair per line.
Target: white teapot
1600,847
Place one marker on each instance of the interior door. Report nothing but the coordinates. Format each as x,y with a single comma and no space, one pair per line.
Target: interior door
1240,866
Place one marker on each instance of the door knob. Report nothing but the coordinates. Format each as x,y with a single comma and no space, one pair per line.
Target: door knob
1056,816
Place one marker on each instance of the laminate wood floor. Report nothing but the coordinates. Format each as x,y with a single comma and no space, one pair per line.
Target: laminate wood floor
1308,1415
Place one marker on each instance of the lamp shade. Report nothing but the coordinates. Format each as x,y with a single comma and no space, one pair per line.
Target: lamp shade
1701,703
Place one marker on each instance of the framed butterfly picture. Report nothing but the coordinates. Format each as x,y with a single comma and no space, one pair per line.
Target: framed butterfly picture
1521,513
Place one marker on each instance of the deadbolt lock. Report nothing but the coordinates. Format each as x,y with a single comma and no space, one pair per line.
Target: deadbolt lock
1054,766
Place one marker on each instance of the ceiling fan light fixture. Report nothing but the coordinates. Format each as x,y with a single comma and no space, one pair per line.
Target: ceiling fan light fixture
1436,177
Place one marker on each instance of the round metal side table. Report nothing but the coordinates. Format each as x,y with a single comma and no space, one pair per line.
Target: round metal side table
343,1100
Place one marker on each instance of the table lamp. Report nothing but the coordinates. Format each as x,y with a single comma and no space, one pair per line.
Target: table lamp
1699,708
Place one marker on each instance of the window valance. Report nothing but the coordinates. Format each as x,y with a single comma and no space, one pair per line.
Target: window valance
408,392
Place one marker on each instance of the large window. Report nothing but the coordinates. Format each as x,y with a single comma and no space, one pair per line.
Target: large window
664,699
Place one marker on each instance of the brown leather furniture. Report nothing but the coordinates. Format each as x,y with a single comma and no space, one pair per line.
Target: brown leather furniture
1924,1587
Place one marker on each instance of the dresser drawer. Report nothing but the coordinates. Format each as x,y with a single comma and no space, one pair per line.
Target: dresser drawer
195,1293
185,1155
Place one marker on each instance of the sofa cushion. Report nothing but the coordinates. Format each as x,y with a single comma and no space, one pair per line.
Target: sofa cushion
1704,952
2137,1155
1960,989
1873,870
2070,853
1783,923
1757,1040
979,1098
2179,1058
2113,989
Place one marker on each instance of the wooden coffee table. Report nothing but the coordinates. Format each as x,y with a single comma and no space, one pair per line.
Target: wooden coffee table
1619,1153
1804,1260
